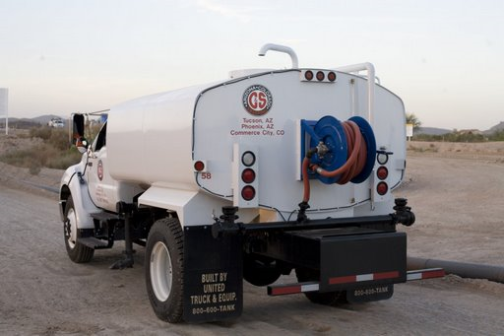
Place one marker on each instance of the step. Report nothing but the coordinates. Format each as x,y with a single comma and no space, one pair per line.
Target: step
104,216
93,242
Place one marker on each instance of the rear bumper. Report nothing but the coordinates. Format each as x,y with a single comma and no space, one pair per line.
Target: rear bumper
343,258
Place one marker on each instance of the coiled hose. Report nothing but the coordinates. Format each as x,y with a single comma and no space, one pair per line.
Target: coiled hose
356,159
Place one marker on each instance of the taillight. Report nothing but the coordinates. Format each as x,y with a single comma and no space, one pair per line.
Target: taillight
245,176
331,76
199,166
248,193
248,175
320,76
308,75
382,188
382,173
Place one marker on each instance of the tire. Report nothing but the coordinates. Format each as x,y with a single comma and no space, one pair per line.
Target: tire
327,299
77,252
259,273
164,271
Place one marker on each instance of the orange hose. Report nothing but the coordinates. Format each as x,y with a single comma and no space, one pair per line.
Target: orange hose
357,154
306,180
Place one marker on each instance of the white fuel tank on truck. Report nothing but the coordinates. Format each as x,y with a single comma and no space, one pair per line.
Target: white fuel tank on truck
267,112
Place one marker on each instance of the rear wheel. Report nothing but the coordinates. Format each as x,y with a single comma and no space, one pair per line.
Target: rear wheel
165,269
260,272
76,251
329,298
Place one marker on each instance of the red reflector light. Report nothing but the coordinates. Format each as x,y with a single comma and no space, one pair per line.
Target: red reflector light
248,175
382,188
382,173
308,75
331,76
199,166
320,76
248,193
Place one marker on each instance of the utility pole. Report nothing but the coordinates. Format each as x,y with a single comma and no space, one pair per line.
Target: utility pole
4,107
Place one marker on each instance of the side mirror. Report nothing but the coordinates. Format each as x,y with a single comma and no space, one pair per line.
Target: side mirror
78,133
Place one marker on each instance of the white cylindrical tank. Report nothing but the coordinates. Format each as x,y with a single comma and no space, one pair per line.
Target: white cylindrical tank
155,140
150,139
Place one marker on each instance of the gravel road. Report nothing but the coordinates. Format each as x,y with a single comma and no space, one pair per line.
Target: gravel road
43,293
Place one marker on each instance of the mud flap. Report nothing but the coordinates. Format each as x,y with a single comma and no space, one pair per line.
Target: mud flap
366,265
213,282
370,293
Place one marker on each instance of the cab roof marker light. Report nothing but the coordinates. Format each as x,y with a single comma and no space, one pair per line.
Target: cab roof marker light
308,75
317,76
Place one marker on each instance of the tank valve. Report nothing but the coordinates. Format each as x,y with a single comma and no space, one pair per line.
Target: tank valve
322,149
303,206
403,214
226,224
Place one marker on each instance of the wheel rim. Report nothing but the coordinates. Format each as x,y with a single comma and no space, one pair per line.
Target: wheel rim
71,228
161,271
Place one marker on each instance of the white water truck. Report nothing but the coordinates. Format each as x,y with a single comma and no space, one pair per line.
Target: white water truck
264,174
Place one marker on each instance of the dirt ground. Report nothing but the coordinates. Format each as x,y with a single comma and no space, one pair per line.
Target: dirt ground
455,191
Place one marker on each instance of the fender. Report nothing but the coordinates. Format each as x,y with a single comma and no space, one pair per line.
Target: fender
192,207
83,204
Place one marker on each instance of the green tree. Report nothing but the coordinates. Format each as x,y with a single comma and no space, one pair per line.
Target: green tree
413,119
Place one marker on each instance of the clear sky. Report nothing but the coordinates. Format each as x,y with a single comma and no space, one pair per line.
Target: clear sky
445,59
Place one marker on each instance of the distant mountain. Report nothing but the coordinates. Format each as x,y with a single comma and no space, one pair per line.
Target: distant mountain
23,123
29,122
496,128
432,131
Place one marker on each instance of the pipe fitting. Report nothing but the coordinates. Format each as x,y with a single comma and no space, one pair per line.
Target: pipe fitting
280,48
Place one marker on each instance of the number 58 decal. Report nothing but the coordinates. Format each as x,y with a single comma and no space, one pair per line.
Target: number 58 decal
206,176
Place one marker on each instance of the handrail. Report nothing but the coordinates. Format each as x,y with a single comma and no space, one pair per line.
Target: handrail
371,83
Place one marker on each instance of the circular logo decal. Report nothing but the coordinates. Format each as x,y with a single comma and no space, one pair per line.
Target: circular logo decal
257,100
100,170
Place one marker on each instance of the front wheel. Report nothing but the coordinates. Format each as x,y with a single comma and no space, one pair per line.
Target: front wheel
77,252
165,269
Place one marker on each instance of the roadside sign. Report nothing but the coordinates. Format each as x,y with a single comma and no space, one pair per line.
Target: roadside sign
409,130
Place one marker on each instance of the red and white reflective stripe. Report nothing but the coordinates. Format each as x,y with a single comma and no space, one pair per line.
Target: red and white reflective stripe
429,273
293,288
363,277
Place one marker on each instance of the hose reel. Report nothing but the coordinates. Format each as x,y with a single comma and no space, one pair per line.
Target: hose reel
337,152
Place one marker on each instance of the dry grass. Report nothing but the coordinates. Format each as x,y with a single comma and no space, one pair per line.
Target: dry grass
50,148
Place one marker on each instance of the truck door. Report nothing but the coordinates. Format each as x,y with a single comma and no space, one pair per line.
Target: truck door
101,185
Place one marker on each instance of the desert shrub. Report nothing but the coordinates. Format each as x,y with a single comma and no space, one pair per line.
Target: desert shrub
59,139
432,149
65,159
497,136
34,167
451,137
44,155
54,152
43,132
415,149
